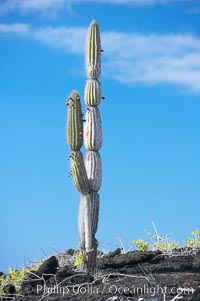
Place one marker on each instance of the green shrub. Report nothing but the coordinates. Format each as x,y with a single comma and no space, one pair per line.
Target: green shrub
141,245
14,277
79,260
193,242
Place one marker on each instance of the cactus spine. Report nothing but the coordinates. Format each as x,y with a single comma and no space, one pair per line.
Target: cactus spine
87,175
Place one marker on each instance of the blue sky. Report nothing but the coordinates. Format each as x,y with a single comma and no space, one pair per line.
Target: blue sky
151,128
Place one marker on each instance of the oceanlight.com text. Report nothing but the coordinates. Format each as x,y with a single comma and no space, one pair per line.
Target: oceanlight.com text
113,289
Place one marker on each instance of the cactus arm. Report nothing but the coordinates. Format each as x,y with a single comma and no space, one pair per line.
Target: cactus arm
74,122
79,172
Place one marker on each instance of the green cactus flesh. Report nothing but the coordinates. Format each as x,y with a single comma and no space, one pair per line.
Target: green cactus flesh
92,94
79,173
74,122
93,51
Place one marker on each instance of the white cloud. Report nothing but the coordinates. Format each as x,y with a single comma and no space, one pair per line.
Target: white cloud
24,5
70,39
129,58
134,2
15,28
55,5
153,59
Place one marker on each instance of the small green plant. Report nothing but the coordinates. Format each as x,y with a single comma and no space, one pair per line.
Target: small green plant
193,242
79,260
160,243
3,282
14,277
141,245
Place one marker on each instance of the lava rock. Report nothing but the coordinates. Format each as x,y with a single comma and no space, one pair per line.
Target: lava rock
129,258
117,274
9,289
50,266
70,252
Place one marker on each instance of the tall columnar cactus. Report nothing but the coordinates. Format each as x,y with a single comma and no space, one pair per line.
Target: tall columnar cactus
93,133
87,174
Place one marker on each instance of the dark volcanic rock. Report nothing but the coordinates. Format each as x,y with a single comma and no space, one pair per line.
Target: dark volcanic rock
134,276
196,263
50,266
9,289
64,272
70,252
37,278
129,259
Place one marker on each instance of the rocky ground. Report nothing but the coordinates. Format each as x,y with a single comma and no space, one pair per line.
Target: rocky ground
134,276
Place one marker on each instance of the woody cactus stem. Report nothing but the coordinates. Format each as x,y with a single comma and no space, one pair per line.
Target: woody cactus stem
89,210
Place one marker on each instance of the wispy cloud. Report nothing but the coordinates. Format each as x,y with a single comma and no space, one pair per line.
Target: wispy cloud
24,5
154,59
129,58
70,39
55,5
15,28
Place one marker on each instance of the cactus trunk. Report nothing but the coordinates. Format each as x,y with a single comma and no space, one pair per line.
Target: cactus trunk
92,129
93,169
92,94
